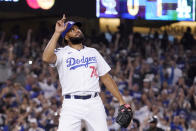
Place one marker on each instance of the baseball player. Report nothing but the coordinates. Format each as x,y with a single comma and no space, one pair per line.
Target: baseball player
79,68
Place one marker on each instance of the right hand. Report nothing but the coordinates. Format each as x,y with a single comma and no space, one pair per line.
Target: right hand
60,26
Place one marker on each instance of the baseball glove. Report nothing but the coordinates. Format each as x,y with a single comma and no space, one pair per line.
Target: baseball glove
125,115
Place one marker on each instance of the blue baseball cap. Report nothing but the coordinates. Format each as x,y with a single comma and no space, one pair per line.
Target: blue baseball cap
69,26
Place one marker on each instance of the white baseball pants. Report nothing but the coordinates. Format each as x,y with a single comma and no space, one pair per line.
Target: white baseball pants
90,110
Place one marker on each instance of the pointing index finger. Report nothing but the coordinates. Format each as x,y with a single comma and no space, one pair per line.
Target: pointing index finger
64,17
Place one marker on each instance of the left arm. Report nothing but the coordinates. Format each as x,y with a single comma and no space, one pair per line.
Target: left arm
112,87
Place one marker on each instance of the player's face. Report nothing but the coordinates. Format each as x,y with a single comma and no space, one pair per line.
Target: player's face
75,35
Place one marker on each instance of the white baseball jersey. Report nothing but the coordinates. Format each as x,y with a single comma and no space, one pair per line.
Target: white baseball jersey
79,70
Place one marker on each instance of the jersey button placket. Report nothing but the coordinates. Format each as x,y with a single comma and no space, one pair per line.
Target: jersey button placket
80,54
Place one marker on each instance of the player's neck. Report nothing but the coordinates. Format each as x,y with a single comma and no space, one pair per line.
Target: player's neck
77,46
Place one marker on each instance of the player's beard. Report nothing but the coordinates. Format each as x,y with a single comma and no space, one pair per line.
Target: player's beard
77,40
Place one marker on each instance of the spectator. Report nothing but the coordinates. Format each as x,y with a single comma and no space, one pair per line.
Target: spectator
112,125
34,125
192,125
187,39
157,75
153,124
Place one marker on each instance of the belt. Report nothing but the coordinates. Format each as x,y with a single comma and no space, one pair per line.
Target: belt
81,97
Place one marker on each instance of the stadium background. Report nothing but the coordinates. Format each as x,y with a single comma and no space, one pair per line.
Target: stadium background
154,65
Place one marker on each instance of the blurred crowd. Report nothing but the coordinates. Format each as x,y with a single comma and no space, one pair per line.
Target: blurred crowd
155,75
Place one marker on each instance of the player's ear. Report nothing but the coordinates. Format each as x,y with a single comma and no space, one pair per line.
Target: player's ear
66,38
64,41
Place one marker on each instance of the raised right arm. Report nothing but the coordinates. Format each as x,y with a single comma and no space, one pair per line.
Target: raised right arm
48,54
